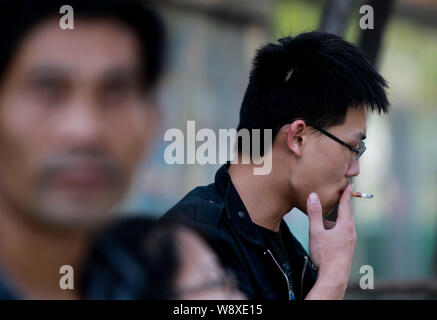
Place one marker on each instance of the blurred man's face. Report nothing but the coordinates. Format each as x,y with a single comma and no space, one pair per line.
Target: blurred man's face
327,166
73,122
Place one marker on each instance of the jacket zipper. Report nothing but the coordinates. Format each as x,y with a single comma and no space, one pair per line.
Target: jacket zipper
282,271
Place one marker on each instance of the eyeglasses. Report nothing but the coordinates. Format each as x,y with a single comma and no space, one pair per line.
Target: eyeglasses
358,152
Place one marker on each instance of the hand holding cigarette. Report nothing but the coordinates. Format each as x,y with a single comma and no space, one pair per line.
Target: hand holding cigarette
331,250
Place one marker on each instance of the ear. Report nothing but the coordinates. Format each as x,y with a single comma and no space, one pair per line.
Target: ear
296,137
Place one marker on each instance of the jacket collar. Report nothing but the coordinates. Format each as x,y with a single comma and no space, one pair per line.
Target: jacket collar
240,218
235,210
238,214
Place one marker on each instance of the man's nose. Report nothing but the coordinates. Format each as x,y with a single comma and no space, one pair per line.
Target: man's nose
81,125
354,168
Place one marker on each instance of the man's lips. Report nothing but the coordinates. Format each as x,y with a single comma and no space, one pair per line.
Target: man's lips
80,178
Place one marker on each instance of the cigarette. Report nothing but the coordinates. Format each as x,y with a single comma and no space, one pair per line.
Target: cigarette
362,195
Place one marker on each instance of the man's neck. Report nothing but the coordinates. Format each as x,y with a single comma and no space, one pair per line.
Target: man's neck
265,200
31,256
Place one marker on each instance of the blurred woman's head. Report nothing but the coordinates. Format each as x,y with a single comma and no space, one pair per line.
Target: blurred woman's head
196,272
141,259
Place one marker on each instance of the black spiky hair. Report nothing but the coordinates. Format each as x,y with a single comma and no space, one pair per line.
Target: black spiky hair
314,76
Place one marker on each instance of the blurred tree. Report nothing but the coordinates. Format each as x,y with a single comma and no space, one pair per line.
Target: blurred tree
335,16
370,39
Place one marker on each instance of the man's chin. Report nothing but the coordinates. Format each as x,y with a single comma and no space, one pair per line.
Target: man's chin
73,216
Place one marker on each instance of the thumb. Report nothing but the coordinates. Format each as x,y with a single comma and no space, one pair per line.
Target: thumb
314,211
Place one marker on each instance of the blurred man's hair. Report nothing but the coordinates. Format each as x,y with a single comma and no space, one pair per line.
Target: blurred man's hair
316,77
135,258
18,17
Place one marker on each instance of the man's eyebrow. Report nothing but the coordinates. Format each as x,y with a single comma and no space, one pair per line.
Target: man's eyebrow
127,73
47,71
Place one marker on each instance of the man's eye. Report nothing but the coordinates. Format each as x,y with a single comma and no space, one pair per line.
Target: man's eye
117,92
49,90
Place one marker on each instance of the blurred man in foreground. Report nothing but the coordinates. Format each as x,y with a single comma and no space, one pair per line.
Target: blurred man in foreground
76,115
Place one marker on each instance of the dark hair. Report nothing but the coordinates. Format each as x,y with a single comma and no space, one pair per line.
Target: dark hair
133,258
115,267
315,76
163,260
18,17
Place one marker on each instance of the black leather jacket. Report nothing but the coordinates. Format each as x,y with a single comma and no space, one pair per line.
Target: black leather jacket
217,212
